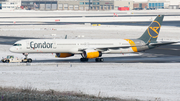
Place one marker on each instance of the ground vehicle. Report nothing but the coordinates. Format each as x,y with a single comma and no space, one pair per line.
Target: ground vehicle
10,58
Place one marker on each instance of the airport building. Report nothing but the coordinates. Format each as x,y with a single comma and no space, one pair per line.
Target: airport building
1,3
93,4
39,4
76,4
10,4
158,4
88,4
174,4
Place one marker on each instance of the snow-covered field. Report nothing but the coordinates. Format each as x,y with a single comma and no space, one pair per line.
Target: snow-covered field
83,31
91,19
145,81
80,16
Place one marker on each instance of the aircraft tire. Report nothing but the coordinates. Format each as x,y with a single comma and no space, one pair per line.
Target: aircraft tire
29,60
83,59
7,61
99,59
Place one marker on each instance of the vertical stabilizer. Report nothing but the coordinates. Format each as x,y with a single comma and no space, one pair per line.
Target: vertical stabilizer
152,32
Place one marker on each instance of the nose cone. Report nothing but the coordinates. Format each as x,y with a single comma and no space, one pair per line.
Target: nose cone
12,49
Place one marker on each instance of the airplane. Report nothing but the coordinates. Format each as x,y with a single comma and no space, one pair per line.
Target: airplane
92,48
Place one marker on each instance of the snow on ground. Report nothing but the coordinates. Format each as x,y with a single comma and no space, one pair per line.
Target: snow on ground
22,13
145,81
87,32
79,16
91,19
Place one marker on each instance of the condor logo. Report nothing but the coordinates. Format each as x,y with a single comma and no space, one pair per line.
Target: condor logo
153,30
40,45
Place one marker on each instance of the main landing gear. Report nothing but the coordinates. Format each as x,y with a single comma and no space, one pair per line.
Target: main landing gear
84,59
26,59
97,59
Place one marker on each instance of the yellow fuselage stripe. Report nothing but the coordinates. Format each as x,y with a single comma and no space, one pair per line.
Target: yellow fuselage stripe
132,44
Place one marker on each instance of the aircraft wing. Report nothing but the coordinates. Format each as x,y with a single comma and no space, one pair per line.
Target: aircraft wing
117,47
106,48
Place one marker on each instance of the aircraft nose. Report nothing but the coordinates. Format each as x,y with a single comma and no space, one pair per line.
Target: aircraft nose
12,49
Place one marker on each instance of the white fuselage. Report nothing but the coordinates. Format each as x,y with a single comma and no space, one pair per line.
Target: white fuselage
69,45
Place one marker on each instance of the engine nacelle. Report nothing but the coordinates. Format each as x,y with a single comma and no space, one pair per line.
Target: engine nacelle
91,54
63,55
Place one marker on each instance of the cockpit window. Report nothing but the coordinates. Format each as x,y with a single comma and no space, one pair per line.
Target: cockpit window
17,45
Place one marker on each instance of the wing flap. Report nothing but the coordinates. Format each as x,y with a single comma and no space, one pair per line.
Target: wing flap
106,48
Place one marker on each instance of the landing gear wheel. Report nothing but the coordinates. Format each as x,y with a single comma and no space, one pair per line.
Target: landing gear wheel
26,59
99,59
83,59
29,60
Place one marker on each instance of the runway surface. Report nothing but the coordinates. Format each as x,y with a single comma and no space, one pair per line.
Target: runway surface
145,23
10,40
129,59
80,16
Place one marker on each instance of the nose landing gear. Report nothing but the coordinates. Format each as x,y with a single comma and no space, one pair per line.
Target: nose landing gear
26,59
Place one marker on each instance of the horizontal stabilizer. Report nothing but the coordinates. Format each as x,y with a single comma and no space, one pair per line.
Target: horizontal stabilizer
161,43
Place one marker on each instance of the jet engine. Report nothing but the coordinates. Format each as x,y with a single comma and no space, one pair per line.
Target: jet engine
91,54
63,55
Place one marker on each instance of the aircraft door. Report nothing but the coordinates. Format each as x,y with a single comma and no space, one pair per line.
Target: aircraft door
27,45
54,45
